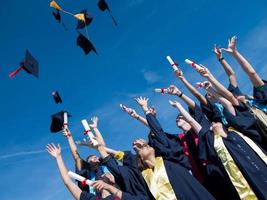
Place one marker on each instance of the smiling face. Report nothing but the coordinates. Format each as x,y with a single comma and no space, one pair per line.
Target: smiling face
143,150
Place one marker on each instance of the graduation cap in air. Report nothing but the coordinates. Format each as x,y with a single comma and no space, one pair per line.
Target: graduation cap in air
103,6
58,121
57,16
85,44
29,64
84,19
56,97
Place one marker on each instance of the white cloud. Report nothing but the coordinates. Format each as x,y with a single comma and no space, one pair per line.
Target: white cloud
151,77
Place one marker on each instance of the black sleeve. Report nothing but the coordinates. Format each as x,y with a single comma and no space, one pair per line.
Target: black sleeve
260,93
200,117
87,196
156,129
164,144
129,159
113,166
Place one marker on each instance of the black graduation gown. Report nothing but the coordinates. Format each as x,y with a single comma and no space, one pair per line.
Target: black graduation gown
216,179
246,123
87,196
185,186
251,166
260,95
128,177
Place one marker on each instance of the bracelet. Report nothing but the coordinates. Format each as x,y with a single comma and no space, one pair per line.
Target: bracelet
220,59
138,117
181,94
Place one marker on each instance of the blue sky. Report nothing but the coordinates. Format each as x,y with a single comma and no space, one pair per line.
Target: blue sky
131,62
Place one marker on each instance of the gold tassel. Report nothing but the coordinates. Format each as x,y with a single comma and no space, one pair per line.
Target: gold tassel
54,4
80,16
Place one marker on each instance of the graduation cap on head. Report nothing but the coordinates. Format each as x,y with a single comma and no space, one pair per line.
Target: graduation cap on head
84,19
56,97
57,121
85,44
29,64
103,6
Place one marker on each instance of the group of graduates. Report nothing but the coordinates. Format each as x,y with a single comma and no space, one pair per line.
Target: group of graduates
221,153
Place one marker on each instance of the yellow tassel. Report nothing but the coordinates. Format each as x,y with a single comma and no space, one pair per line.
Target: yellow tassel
80,16
54,4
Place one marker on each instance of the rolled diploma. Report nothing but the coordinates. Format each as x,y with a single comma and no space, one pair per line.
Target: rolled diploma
174,66
157,90
89,132
79,178
65,120
189,62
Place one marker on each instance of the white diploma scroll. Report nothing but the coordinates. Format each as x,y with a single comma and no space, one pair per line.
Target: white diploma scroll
163,91
89,132
173,64
79,178
196,66
65,123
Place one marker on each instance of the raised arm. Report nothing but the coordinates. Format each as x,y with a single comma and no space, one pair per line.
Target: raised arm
135,115
219,87
56,153
246,66
227,104
227,68
173,90
96,131
73,148
190,87
195,125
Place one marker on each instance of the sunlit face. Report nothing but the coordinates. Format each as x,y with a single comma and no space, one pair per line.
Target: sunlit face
182,124
143,149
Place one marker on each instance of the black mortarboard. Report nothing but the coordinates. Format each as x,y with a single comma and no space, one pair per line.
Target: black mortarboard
85,44
29,64
235,90
87,20
57,15
102,5
57,97
57,122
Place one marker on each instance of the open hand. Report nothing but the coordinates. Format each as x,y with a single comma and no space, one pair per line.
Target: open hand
53,150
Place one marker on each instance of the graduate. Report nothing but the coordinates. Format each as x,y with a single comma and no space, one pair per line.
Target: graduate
243,159
209,105
127,175
237,114
188,140
91,168
257,104
164,166
259,85
108,191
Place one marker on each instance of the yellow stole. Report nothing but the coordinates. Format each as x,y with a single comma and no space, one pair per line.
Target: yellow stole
158,181
235,175
261,116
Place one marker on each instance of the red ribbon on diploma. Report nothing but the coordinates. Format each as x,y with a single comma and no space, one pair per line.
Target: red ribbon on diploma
85,132
162,91
83,183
